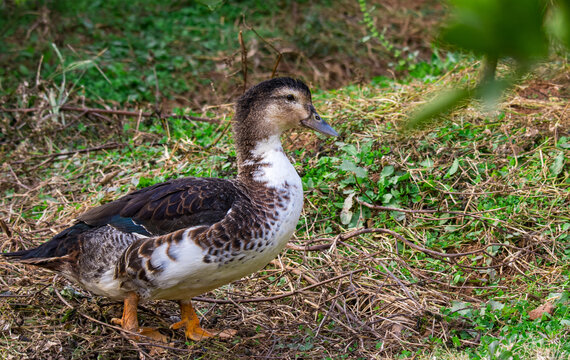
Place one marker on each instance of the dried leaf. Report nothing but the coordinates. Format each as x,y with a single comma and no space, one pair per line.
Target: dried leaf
346,213
537,313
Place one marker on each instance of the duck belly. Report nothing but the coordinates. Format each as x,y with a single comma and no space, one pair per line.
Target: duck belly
197,271
194,270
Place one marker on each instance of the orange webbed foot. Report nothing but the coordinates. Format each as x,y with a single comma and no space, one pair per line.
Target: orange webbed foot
129,321
191,323
153,334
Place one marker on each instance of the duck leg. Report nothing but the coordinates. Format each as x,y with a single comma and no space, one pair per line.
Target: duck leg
191,323
130,322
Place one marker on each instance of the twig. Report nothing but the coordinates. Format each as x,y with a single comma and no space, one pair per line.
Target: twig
458,213
243,60
156,90
114,112
279,54
224,131
120,329
309,248
276,64
275,297
95,148
354,233
5,228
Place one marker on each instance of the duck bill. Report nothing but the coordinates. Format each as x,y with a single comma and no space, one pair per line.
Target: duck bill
317,123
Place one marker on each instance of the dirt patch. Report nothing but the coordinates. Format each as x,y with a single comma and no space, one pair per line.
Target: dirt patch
542,90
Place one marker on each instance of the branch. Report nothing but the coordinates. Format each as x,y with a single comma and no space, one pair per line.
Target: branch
115,112
342,237
275,297
279,54
475,215
243,60
95,148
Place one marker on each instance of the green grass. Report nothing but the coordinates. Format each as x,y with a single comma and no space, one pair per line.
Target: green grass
133,46
519,194
506,332
160,52
507,170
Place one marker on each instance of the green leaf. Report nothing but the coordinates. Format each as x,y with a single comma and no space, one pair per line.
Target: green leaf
493,346
460,307
506,355
495,305
348,165
350,150
450,228
398,215
387,171
456,341
453,169
557,165
563,143
396,179
211,4
427,163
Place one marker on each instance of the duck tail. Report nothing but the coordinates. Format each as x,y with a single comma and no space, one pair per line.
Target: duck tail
18,255
54,253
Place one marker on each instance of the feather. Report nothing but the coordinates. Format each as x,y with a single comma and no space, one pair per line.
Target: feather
183,237
167,207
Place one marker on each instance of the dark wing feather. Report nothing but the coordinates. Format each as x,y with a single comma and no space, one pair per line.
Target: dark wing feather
167,207
62,249
156,210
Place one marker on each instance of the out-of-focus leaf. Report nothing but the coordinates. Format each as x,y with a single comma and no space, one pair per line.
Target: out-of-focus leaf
490,91
212,4
499,28
559,24
443,103
495,305
387,171
461,307
427,163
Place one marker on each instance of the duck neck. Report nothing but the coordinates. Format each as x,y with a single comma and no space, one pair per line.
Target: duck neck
265,162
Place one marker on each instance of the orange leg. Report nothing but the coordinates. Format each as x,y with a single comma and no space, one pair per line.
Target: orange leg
191,323
130,322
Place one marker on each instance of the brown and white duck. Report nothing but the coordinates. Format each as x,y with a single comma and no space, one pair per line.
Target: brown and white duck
184,237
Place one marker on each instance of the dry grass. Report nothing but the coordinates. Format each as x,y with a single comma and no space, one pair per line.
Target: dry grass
335,292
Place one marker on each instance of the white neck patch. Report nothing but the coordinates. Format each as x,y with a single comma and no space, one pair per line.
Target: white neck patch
275,168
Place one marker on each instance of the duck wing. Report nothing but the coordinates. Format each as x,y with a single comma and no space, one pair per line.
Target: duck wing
167,207
155,210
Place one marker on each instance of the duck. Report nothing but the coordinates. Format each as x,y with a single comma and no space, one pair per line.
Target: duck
184,237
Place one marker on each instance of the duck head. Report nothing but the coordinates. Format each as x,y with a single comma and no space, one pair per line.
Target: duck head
274,106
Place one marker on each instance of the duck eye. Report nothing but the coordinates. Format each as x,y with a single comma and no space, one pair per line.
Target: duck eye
290,97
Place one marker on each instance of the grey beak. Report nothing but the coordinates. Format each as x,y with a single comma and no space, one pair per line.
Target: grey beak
316,123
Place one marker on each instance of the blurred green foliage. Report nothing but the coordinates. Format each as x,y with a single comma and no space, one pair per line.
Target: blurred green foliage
498,29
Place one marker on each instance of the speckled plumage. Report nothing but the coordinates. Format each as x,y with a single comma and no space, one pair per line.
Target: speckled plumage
184,237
